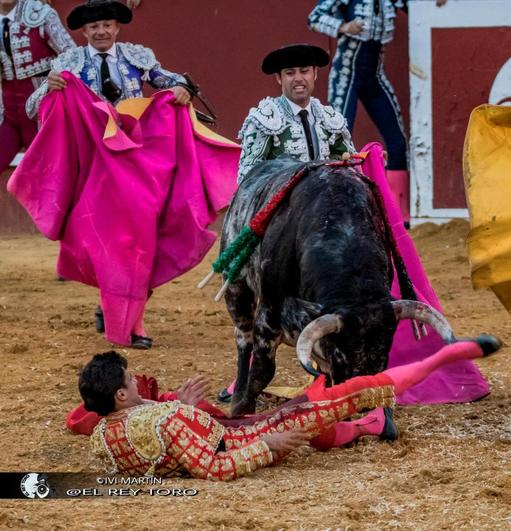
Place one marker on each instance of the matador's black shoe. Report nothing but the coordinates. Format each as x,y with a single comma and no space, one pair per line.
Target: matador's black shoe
390,431
224,396
99,320
489,344
141,342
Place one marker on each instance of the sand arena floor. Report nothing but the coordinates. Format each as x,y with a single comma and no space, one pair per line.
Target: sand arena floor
450,468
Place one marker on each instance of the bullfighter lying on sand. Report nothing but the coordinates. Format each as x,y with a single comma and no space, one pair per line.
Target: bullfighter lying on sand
144,438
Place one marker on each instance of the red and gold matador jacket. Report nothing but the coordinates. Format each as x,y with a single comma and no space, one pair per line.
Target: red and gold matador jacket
171,438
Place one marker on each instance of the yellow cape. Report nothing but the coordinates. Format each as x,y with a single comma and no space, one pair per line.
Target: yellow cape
487,172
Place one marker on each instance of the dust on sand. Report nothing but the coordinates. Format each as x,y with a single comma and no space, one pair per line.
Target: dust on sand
450,468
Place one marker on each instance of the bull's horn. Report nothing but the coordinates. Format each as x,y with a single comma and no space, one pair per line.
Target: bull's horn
424,313
314,331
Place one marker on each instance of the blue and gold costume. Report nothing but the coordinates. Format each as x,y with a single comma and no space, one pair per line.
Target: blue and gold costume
357,69
133,65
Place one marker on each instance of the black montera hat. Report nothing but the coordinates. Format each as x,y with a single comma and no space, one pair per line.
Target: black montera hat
94,10
292,56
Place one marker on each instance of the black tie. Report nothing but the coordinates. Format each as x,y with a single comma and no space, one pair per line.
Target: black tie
106,82
6,37
308,135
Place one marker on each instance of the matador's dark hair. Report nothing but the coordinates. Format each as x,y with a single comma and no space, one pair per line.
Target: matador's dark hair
100,379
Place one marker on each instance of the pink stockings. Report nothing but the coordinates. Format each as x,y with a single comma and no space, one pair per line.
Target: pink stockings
406,376
401,378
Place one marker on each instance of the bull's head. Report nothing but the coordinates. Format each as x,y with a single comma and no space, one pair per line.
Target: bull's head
325,325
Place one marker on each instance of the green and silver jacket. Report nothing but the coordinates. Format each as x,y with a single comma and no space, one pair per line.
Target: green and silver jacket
272,129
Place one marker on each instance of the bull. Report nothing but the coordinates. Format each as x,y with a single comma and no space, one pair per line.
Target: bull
320,279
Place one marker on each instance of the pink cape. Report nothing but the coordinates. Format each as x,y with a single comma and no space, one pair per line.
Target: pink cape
457,382
130,203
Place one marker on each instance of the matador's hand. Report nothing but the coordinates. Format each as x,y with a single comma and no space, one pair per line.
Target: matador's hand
133,4
354,27
56,81
181,95
193,391
286,441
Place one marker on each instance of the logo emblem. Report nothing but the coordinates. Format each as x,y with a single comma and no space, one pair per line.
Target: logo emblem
35,485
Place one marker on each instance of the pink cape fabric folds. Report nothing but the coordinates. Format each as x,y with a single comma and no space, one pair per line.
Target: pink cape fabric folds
130,204
457,382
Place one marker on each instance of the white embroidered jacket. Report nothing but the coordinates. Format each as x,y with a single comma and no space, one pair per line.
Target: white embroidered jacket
271,129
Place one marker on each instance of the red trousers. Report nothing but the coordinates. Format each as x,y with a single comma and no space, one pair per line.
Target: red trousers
17,129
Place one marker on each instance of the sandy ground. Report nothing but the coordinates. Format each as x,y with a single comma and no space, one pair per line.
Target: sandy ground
450,468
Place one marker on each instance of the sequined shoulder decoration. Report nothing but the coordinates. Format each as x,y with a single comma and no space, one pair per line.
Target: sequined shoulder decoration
332,120
72,60
138,55
143,429
96,441
34,13
267,117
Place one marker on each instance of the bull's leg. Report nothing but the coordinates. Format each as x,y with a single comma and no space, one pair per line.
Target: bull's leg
267,336
240,300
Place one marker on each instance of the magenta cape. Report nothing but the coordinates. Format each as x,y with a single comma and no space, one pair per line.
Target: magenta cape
129,205
457,382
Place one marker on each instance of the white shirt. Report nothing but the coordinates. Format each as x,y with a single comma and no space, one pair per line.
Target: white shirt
310,118
111,60
9,15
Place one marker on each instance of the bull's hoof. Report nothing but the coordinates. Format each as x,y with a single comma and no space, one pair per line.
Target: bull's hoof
224,396
390,431
242,408
489,344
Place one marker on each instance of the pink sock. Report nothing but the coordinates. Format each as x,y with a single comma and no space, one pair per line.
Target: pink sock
138,327
371,424
345,432
406,376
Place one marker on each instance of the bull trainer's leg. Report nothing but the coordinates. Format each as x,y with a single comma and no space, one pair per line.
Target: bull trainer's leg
316,418
377,423
406,376
240,301
267,334
328,406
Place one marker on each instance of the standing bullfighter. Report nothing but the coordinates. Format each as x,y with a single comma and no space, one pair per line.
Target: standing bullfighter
294,123
114,71
32,36
130,198
298,125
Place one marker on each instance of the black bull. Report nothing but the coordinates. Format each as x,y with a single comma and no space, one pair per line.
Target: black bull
328,251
